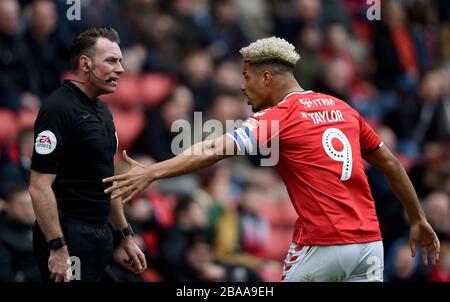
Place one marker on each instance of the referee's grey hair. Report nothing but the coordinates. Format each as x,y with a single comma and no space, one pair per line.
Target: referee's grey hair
270,50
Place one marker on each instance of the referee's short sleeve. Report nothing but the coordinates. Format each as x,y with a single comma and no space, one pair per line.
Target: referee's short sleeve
51,131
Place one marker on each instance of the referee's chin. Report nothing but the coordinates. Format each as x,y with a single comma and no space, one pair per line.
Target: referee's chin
108,89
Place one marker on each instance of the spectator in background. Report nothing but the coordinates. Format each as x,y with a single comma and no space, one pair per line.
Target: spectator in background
335,80
177,106
17,262
197,73
295,15
241,235
423,118
190,217
394,49
15,161
227,76
18,77
400,266
337,45
43,47
202,266
437,210
215,192
226,106
441,271
228,35
309,41
432,117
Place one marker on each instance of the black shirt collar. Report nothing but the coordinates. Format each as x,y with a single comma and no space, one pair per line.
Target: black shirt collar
83,97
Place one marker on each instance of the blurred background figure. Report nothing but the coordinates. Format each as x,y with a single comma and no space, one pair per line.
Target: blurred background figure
401,266
189,218
441,272
437,210
17,263
202,266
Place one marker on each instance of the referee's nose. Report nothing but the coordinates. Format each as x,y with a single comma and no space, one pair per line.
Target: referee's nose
119,69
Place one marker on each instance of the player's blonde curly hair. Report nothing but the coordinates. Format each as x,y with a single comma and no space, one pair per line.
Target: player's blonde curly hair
271,49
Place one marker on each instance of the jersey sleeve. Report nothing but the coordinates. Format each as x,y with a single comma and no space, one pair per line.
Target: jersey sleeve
258,131
369,140
51,131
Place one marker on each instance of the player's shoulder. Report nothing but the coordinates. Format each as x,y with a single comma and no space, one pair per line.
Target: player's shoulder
337,102
58,102
293,98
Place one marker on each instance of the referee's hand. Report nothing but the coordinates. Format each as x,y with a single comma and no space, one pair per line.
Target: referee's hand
136,259
129,184
59,265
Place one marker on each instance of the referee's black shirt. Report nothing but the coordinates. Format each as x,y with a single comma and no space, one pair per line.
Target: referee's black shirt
75,139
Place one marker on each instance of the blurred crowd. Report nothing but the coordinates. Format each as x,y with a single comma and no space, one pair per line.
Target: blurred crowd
233,221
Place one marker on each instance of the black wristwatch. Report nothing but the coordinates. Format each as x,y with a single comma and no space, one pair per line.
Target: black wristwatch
125,232
56,243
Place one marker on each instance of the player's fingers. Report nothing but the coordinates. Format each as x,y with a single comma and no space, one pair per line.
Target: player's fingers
116,188
124,192
437,247
432,251
143,261
137,264
412,244
424,255
113,178
67,276
58,278
130,196
52,276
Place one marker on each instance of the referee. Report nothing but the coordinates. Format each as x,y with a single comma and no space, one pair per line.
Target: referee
75,143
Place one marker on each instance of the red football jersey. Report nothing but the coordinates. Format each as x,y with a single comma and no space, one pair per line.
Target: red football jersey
319,142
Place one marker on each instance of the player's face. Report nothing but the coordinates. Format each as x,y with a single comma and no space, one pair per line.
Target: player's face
106,65
254,89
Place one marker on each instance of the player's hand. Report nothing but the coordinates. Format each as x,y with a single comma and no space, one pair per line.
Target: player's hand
422,233
59,265
136,259
129,184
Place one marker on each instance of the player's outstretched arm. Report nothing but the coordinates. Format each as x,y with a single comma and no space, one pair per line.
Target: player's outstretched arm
421,232
198,156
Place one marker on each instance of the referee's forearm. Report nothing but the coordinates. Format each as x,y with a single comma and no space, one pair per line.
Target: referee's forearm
116,215
46,211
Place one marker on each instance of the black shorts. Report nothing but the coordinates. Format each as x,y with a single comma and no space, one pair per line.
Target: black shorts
92,244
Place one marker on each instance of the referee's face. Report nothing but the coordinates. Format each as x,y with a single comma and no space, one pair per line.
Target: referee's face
106,66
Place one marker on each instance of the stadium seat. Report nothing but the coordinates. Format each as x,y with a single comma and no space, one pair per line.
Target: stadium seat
128,124
153,87
278,213
144,89
127,92
271,272
280,238
27,119
9,127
